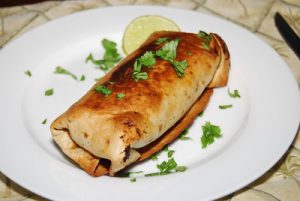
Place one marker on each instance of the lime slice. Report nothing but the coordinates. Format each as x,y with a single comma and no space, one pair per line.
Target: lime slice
142,27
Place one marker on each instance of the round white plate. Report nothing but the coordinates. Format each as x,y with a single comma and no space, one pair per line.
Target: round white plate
256,131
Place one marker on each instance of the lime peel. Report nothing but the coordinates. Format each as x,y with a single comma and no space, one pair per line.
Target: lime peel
142,27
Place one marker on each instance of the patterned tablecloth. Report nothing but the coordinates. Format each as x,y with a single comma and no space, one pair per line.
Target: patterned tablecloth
282,182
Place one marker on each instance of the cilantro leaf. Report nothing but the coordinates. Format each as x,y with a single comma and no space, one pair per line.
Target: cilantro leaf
210,132
82,78
161,40
205,46
235,94
166,166
225,106
154,157
180,168
179,67
133,180
200,114
184,134
28,73
61,70
205,36
168,50
120,96
92,59
170,153
49,92
139,76
103,90
110,57
45,121
147,60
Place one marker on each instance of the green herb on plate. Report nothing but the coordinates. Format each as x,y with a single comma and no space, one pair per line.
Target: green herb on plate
120,96
225,106
234,94
210,132
28,73
45,121
61,70
103,90
49,92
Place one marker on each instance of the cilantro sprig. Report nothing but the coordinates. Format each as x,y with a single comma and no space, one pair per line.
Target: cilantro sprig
168,52
146,60
161,40
28,73
49,92
206,37
103,90
223,107
110,57
210,132
183,135
61,70
234,94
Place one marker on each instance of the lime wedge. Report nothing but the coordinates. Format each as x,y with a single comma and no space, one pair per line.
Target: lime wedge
142,27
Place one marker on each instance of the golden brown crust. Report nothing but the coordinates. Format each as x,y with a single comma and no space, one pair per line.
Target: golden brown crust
109,128
175,131
221,76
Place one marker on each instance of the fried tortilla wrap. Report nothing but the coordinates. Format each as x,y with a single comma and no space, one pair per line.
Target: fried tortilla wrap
104,134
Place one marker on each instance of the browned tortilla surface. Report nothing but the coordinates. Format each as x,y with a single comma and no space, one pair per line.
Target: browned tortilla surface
119,131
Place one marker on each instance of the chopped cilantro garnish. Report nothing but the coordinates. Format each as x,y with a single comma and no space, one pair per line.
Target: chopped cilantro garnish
210,132
161,40
205,46
45,121
120,96
154,157
179,67
103,90
110,57
61,70
184,136
133,180
205,36
147,60
168,51
167,166
49,92
235,94
28,73
200,114
170,153
128,174
180,168
152,174
82,78
92,59
225,106
139,76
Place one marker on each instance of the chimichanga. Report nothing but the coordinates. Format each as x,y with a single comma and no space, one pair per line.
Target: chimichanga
103,133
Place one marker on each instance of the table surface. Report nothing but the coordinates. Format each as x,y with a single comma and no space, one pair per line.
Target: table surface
282,182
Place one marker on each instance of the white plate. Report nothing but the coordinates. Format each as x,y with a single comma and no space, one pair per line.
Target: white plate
256,131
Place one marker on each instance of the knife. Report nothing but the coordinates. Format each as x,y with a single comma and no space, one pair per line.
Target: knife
291,38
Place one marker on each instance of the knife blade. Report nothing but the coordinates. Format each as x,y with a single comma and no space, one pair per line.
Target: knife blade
288,34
